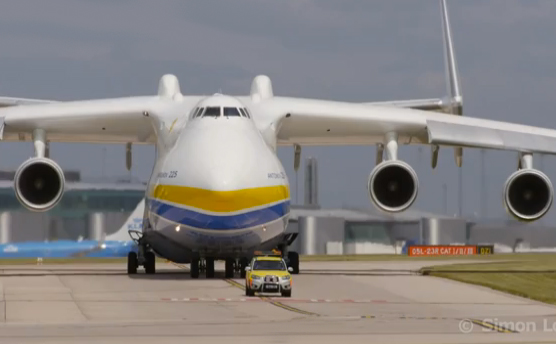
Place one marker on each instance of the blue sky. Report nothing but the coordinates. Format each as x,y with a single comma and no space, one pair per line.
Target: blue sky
349,50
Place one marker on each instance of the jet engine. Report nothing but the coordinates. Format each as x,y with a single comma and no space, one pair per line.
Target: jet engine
39,184
393,186
528,194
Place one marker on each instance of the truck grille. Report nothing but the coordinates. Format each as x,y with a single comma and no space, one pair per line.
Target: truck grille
271,279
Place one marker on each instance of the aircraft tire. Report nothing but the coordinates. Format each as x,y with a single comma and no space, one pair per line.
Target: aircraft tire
194,268
132,263
229,268
150,262
293,258
210,268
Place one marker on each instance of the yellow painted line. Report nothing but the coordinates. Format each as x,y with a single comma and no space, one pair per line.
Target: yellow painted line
300,311
275,303
235,284
221,201
289,308
492,326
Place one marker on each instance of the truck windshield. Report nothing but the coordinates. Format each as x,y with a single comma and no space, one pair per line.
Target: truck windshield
269,265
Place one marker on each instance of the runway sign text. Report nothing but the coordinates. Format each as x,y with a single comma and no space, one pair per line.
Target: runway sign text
426,250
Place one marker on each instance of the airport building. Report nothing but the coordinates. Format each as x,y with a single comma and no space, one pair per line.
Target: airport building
364,231
87,210
368,231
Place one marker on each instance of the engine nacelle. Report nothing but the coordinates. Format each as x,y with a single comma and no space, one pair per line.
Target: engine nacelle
393,186
39,184
528,194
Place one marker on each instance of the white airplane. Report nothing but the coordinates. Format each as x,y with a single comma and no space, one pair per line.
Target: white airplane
218,190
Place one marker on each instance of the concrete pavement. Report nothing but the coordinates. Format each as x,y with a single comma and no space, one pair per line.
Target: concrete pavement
381,302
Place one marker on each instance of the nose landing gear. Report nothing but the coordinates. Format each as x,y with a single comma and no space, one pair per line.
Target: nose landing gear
144,256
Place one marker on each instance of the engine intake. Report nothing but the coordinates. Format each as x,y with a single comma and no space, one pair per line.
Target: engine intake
39,184
393,186
528,194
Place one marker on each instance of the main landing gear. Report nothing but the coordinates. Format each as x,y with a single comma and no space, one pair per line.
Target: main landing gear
206,265
232,266
290,257
293,262
201,265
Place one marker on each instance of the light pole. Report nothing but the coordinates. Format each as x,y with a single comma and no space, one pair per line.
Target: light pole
445,193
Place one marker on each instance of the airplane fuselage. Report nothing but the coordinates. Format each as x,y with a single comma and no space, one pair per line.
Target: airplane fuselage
218,191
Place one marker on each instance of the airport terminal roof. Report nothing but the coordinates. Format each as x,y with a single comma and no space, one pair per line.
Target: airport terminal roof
74,182
361,214
86,186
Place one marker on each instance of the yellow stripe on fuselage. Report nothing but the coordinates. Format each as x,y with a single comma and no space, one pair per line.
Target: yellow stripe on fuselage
221,201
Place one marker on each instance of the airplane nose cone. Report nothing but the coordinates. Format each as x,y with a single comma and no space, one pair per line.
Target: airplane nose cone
227,162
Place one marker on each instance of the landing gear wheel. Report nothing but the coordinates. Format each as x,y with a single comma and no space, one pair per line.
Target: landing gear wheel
194,268
210,267
229,268
132,263
202,266
286,293
293,258
242,265
149,262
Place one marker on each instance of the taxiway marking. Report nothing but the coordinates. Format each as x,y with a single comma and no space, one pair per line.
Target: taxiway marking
262,298
272,300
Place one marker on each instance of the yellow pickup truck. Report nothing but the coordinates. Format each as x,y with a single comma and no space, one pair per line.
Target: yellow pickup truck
268,274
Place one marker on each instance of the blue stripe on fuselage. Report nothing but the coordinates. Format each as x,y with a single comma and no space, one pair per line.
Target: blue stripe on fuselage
205,221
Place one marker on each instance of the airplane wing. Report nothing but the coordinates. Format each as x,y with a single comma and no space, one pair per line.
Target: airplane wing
318,122
104,120
116,120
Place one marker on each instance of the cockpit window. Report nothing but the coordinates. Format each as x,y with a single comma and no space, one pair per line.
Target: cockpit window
199,112
231,111
194,112
212,111
246,112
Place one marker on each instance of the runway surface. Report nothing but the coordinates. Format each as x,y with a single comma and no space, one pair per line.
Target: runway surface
347,302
